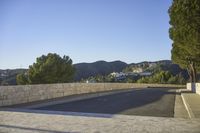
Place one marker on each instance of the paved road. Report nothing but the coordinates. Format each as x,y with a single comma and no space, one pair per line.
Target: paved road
145,102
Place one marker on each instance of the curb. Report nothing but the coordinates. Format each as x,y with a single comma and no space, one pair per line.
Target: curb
175,103
187,106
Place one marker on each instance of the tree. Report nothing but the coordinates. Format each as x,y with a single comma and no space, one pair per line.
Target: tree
48,69
163,77
22,79
185,33
143,80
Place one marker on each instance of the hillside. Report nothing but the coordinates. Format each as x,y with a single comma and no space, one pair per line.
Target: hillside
85,70
163,65
8,76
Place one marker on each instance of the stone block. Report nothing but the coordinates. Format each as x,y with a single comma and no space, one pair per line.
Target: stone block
29,93
6,102
198,88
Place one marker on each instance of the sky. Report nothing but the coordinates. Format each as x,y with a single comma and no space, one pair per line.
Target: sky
86,30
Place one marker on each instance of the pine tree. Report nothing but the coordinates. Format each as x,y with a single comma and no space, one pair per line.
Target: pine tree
49,68
185,33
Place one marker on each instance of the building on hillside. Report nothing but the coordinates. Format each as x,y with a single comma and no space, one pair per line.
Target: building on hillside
145,74
113,74
132,74
116,74
119,76
137,70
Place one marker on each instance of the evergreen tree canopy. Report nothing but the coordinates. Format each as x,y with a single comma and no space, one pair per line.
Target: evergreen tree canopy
49,69
185,33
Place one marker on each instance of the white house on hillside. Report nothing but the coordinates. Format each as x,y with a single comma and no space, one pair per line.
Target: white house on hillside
145,74
137,70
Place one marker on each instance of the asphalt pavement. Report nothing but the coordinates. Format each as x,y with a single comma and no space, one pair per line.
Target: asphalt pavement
144,102
48,116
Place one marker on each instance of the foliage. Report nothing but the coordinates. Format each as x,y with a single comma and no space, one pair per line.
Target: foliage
22,79
8,76
165,65
48,69
100,78
185,33
163,77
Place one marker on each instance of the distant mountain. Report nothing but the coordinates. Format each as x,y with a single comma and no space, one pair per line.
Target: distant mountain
163,65
8,76
85,70
164,62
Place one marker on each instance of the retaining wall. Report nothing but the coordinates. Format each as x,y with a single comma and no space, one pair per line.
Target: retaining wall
194,87
11,95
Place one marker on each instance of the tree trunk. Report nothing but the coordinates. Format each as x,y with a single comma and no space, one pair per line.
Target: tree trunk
194,75
190,74
193,72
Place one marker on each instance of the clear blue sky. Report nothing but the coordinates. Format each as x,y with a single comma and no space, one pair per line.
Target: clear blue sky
86,30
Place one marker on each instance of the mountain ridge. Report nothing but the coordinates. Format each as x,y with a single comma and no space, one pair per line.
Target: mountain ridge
101,67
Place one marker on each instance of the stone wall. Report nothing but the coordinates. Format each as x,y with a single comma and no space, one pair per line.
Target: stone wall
194,87
11,95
